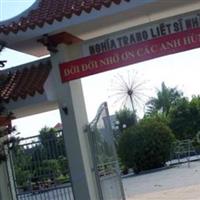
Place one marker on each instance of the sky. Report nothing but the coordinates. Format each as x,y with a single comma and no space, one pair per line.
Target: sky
181,70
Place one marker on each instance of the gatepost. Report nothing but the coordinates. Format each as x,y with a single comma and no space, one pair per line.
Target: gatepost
5,183
74,119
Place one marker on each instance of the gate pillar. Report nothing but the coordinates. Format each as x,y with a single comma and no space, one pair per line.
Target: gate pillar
74,119
5,187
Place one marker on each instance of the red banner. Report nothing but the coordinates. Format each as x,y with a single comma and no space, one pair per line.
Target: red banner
131,54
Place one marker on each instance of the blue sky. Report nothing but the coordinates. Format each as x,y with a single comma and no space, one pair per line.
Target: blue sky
11,8
180,70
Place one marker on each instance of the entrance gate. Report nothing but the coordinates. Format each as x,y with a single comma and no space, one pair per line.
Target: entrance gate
40,168
105,157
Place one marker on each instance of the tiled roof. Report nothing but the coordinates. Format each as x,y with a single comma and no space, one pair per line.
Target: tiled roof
58,126
49,10
25,82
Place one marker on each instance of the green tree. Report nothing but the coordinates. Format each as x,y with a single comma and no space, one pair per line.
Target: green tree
47,134
159,117
49,141
22,169
184,118
63,165
41,162
146,145
125,118
163,102
47,169
51,151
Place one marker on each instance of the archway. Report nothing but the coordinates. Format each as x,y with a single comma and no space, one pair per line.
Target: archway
29,34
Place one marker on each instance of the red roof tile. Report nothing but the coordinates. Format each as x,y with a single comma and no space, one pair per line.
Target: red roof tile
58,126
25,82
49,10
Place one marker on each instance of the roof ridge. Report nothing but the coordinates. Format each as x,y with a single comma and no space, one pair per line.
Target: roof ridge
48,11
25,82
25,65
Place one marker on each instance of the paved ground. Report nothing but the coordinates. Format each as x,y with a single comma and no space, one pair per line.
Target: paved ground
177,183
62,193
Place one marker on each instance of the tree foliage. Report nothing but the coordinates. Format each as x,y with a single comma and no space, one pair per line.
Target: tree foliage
125,118
45,160
165,99
146,146
22,170
185,118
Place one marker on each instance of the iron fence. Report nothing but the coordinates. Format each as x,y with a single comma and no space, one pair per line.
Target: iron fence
40,168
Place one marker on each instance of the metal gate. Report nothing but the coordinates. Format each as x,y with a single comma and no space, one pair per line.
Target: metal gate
40,168
105,157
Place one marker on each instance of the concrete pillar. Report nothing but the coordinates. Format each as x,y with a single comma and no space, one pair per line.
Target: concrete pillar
5,188
70,95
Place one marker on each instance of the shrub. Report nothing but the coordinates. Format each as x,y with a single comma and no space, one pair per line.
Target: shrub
146,146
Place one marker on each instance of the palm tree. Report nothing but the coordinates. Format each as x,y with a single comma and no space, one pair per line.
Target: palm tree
166,98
